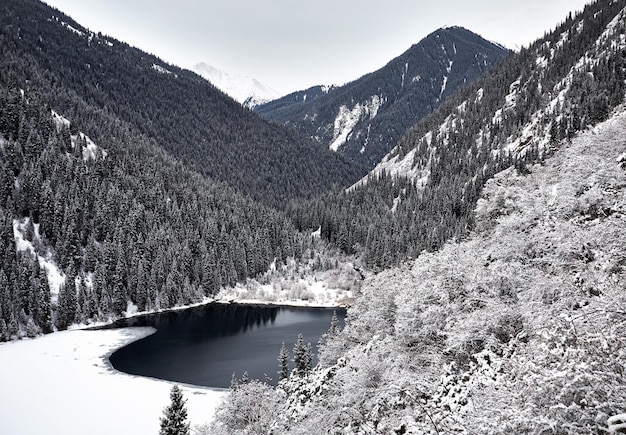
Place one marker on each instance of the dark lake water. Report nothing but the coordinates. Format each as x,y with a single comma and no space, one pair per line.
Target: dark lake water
205,345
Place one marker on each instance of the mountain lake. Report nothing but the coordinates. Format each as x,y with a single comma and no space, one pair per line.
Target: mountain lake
205,345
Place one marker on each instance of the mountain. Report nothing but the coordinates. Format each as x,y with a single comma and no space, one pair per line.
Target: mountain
365,118
183,113
246,90
517,324
424,191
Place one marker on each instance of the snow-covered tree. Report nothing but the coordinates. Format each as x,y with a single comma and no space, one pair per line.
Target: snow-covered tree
250,408
174,420
283,363
302,356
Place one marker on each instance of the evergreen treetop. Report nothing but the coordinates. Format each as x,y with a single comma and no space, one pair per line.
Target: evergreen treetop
174,420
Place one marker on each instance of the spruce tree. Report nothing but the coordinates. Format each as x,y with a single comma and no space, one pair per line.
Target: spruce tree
302,356
283,363
44,317
174,420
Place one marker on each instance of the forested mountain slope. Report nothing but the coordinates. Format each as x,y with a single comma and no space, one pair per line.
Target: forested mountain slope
519,329
182,112
90,229
365,118
424,192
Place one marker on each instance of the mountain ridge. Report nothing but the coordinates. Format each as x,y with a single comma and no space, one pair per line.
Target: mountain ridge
364,118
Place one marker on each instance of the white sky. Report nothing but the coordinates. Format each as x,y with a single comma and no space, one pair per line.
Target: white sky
291,45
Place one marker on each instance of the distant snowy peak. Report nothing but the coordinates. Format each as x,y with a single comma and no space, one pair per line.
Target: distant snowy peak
246,90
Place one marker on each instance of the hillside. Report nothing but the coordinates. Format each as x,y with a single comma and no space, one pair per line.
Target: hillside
424,191
93,230
183,113
519,329
365,118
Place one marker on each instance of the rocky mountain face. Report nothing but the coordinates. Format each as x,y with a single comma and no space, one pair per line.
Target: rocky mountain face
365,118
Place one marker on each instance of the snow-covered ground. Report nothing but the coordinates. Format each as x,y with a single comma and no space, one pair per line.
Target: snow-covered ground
63,383
297,284
301,294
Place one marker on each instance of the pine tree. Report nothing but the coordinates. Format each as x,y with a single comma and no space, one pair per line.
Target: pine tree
68,301
174,420
283,363
302,356
44,317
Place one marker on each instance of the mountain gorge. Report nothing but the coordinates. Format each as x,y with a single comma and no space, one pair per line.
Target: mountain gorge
365,118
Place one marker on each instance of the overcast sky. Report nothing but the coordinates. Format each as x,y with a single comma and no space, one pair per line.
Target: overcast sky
291,44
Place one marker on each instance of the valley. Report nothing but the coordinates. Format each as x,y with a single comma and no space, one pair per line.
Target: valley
464,205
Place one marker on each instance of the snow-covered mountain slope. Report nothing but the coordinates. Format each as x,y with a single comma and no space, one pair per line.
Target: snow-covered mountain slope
560,84
246,90
365,118
518,329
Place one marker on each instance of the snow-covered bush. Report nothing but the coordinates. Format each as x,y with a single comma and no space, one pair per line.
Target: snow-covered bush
252,407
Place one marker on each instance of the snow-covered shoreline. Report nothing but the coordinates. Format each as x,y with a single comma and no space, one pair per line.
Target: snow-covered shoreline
67,382
67,374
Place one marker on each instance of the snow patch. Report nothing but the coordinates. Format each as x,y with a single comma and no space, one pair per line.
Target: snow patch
59,121
56,277
406,69
541,61
445,78
72,29
162,70
91,151
347,119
